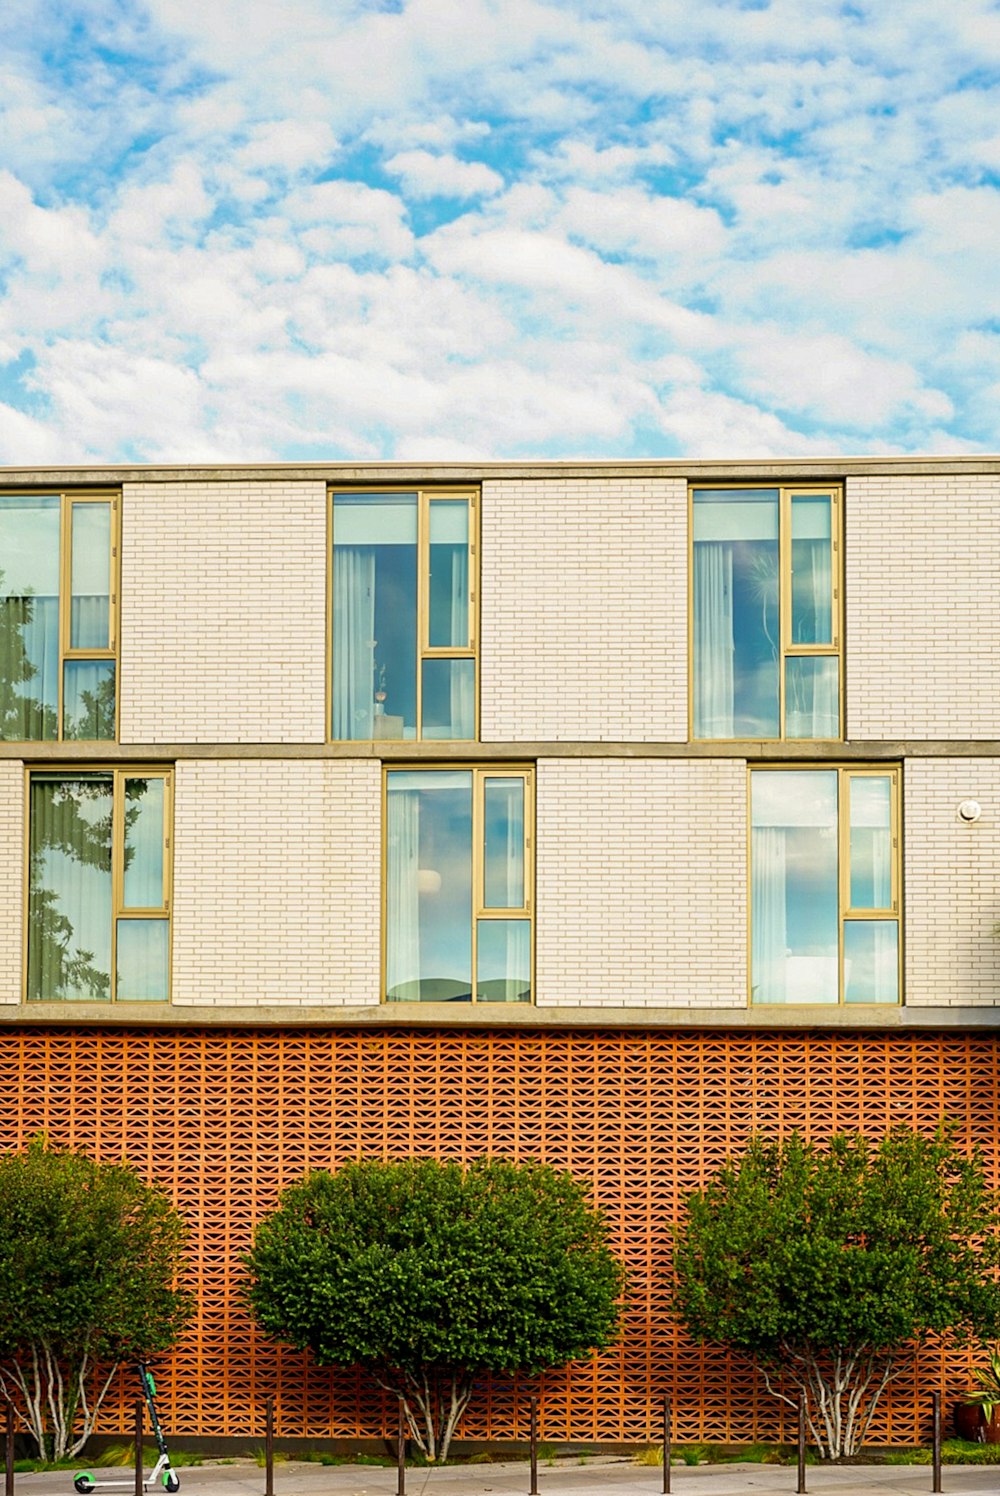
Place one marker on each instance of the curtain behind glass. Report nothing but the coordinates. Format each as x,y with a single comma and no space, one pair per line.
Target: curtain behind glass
353,641
463,675
769,933
69,893
713,640
29,617
402,896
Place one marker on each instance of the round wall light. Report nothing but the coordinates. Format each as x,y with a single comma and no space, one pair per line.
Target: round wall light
970,810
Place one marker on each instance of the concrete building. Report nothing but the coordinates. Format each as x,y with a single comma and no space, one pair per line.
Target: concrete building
597,812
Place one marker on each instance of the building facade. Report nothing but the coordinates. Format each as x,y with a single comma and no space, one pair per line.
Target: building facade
601,813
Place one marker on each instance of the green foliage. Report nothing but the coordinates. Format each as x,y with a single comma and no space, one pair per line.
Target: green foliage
88,1257
987,1394
830,1261
421,1272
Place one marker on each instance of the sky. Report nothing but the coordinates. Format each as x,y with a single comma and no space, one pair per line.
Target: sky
269,230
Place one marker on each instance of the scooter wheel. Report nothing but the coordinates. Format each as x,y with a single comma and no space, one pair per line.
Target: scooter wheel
171,1481
84,1482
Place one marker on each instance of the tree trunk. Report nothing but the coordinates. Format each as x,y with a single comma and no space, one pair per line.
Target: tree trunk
842,1391
434,1400
56,1402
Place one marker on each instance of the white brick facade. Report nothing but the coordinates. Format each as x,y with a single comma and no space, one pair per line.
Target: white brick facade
12,893
223,615
584,610
951,952
277,882
642,885
923,625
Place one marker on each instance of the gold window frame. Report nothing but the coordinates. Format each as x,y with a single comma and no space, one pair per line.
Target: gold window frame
845,914
118,774
67,498
789,650
425,651
480,910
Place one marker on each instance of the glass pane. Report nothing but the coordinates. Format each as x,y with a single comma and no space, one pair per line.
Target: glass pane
143,960
503,958
449,698
90,565
812,570
737,637
871,841
428,890
812,696
793,887
871,961
448,623
143,880
503,844
374,616
29,618
89,700
69,888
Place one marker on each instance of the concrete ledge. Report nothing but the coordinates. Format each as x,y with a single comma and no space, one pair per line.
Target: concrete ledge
494,1016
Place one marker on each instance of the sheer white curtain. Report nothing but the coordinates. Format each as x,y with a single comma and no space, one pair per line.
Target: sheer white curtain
463,673
813,705
353,641
402,936
713,640
768,934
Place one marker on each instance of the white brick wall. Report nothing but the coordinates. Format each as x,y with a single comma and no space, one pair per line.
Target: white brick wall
11,878
223,612
952,883
584,610
641,877
277,882
923,625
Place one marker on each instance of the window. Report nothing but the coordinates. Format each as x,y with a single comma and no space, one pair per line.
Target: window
99,886
824,885
58,616
765,613
458,885
403,615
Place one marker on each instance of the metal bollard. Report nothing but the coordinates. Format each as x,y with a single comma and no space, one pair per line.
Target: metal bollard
800,1488
401,1452
936,1415
666,1444
138,1447
9,1453
269,1447
534,1447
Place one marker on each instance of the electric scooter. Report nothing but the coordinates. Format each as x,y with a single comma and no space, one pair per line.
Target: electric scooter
162,1472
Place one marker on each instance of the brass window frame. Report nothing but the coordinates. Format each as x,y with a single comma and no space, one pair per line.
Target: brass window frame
480,910
67,498
118,774
425,651
788,649
893,913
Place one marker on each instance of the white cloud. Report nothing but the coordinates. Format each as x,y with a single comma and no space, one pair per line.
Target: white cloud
427,175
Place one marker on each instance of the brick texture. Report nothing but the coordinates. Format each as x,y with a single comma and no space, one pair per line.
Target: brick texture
641,883
584,610
276,882
223,612
923,627
952,883
11,878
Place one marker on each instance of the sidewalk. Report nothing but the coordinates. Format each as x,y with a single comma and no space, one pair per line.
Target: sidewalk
597,1476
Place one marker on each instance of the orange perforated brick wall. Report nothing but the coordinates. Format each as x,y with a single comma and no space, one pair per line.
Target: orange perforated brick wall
225,1118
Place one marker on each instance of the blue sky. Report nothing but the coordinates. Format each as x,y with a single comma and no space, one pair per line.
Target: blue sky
416,229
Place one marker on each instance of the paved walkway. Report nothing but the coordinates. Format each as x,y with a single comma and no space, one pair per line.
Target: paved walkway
597,1476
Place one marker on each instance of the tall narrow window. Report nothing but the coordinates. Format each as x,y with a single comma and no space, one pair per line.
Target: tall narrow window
58,616
765,599
824,886
403,616
458,885
99,886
